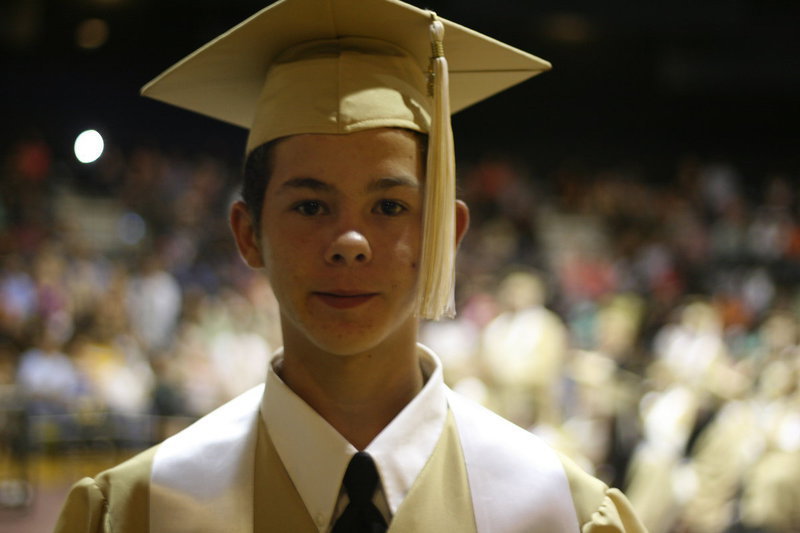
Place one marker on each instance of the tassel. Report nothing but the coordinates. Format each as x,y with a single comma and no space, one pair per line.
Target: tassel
436,297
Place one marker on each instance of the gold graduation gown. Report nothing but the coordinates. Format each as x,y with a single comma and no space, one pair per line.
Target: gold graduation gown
119,500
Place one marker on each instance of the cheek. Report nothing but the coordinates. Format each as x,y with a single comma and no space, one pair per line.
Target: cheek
284,243
407,248
408,254
289,258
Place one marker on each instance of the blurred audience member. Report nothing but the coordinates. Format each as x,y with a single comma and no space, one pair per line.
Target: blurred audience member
153,302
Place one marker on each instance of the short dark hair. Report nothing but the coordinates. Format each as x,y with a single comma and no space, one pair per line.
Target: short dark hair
258,169
256,174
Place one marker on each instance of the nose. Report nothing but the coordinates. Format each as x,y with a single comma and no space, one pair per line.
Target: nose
348,249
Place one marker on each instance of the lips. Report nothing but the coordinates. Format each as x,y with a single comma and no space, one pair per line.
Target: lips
345,299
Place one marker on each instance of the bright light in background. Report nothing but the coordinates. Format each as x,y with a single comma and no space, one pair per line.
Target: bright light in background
89,146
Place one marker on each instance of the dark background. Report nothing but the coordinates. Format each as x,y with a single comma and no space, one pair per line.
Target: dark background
645,81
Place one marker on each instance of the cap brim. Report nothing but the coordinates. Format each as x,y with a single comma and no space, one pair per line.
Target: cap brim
224,78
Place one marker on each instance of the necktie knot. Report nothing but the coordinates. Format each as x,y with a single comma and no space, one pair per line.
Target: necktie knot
361,478
360,515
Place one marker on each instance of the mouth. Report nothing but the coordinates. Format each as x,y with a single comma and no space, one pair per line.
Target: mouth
345,299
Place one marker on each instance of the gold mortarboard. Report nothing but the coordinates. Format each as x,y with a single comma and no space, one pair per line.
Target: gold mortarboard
340,66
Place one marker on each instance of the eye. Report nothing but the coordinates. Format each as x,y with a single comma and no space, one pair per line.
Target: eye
309,208
390,208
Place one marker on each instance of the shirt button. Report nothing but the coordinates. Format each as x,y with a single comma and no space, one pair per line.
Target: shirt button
319,519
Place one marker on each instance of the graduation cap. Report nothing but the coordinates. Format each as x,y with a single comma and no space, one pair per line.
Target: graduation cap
341,66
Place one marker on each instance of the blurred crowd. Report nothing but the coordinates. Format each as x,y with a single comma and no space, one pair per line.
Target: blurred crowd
647,328
650,330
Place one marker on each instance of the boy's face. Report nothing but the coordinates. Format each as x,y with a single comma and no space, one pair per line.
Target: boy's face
340,237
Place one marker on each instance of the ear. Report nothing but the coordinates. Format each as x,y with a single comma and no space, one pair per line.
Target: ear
245,234
462,220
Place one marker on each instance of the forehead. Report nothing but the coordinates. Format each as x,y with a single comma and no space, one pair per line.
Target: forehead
371,153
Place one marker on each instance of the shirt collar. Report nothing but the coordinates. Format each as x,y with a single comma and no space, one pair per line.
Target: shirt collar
315,455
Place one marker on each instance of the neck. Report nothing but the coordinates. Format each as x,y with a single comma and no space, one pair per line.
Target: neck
358,394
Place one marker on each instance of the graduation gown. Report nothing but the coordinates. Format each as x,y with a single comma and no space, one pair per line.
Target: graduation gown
480,477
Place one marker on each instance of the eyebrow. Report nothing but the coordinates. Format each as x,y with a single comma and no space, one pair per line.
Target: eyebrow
378,185
384,184
307,183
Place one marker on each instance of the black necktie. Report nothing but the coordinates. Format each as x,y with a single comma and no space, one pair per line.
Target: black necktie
360,515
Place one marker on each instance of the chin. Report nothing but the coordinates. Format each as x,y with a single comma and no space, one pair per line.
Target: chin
346,342
345,339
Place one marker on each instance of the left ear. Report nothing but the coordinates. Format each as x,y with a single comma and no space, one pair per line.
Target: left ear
462,220
245,234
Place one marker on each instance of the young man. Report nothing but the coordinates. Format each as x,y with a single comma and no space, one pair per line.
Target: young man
349,208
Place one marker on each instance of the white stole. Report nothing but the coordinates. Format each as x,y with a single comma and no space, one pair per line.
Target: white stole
202,478
517,482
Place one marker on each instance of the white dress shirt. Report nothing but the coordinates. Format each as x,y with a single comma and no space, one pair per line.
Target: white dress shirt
316,456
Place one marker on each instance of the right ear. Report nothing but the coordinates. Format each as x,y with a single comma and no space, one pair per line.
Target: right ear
245,234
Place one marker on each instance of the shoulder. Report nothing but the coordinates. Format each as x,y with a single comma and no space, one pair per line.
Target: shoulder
588,492
599,508
128,481
521,454
502,458
115,500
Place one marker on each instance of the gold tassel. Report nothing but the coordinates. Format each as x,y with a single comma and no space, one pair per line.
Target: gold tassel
437,263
